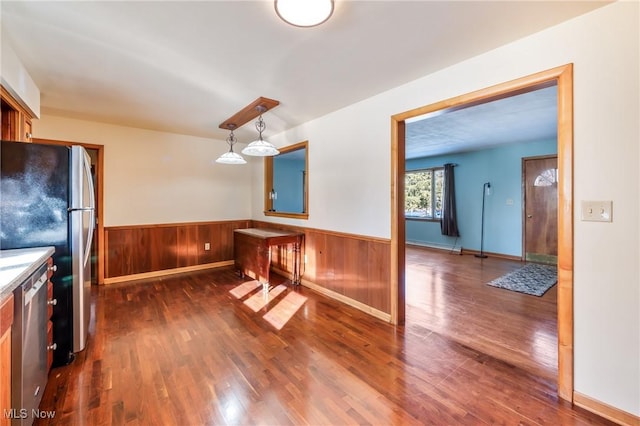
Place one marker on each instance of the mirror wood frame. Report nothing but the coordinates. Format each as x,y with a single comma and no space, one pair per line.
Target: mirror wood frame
268,182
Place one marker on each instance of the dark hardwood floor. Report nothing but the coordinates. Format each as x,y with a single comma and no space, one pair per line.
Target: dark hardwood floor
448,293
184,351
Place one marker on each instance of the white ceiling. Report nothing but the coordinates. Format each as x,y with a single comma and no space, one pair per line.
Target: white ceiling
184,67
527,117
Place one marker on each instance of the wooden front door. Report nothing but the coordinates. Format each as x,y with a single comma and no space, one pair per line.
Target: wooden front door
540,178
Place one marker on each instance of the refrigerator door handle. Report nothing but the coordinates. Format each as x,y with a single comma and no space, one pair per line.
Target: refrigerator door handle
87,252
92,208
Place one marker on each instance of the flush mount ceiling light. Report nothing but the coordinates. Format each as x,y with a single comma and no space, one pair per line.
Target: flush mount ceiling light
307,13
260,147
231,157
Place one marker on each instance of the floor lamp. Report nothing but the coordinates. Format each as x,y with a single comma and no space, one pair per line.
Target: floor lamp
486,187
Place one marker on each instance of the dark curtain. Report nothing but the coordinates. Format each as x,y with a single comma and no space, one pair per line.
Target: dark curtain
449,222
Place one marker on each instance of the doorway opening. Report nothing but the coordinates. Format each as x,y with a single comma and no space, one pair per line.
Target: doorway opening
96,153
562,77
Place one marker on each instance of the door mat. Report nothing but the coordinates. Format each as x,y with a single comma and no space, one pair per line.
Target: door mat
533,279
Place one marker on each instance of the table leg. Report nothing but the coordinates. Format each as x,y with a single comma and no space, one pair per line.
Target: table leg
296,263
265,284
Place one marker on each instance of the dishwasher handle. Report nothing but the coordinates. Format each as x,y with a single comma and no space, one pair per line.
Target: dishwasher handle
35,288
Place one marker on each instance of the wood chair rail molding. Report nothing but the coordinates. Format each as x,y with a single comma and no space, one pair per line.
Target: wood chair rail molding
263,224
178,224
248,113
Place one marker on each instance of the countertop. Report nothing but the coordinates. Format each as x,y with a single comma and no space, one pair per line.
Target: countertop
17,265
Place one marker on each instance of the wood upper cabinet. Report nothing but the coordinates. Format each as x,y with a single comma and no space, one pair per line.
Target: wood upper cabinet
26,129
16,120
10,122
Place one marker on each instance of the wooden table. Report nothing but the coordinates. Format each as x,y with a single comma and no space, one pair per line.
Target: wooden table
252,251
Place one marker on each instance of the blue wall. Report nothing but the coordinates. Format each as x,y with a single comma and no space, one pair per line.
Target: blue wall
288,183
502,167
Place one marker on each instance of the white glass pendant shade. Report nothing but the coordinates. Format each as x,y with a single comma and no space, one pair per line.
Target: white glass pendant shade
307,13
260,148
231,158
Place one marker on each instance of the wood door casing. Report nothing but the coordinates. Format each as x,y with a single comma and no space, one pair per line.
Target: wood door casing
540,180
562,76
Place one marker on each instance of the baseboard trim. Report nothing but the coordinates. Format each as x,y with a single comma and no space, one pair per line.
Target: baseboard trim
605,410
347,301
337,296
165,272
451,249
490,254
461,250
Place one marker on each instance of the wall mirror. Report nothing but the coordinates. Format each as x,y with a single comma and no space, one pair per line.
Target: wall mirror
286,182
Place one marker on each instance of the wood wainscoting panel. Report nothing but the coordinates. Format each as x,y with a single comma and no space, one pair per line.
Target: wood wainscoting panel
187,247
315,268
161,241
355,283
355,267
379,268
140,249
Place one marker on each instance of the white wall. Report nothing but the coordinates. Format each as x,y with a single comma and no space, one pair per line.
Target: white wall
155,177
349,176
16,79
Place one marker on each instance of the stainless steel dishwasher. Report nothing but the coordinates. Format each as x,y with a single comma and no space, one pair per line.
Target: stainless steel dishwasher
29,347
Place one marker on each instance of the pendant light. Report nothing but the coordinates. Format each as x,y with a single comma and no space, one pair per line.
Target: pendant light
231,157
260,147
308,13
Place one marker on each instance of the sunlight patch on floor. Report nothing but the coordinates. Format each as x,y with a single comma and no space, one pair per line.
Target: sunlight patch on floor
280,314
245,288
262,298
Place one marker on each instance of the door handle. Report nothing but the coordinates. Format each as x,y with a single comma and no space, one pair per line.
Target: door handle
529,216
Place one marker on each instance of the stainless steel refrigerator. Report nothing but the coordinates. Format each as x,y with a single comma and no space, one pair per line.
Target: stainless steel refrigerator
47,199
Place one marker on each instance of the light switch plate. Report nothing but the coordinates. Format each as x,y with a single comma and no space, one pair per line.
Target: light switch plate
596,211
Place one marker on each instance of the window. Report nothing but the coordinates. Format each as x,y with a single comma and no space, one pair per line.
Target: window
548,177
424,191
